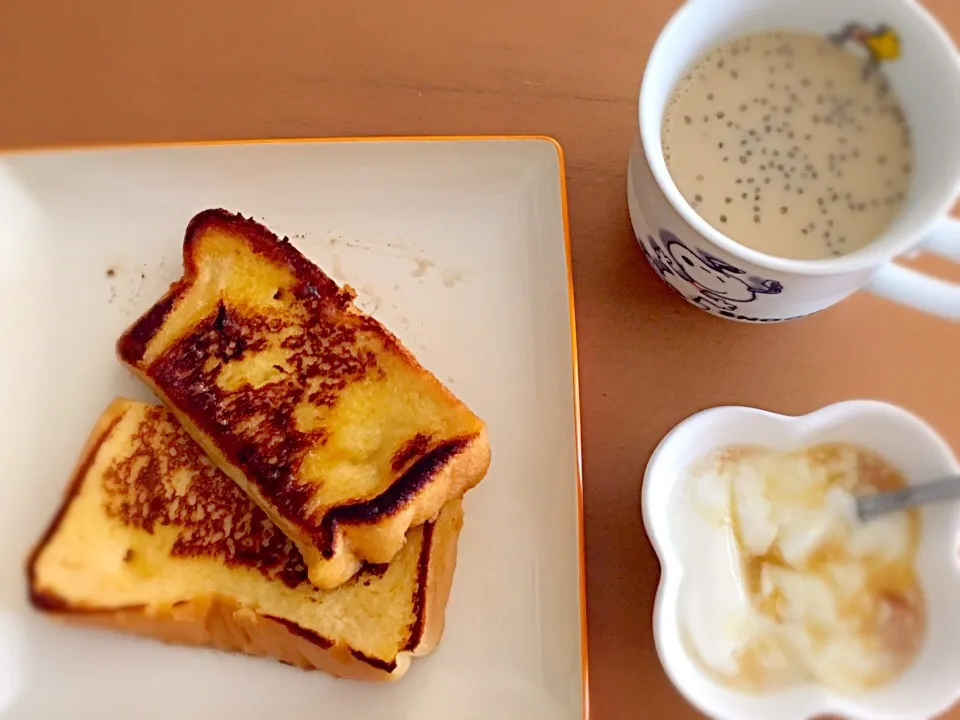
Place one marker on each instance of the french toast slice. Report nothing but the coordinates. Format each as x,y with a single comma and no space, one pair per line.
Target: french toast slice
312,407
152,539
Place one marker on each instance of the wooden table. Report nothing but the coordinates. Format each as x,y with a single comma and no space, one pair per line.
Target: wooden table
114,70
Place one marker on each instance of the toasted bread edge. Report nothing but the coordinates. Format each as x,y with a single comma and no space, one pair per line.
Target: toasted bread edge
101,430
220,623
378,537
434,594
132,344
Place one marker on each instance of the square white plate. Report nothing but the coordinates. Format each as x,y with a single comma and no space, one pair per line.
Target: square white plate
457,245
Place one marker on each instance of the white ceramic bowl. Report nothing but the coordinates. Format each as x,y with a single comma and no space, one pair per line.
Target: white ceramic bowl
932,683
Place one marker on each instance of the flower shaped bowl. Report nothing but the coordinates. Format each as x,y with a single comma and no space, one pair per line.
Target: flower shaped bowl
932,682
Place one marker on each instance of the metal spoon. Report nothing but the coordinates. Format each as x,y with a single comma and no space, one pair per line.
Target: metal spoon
876,504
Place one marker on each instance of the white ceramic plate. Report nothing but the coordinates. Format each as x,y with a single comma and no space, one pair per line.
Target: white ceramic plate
457,245
931,683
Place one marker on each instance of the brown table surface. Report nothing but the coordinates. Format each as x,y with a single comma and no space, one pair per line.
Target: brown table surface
114,70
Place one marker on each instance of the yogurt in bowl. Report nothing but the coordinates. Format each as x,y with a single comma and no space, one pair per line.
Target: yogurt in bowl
774,599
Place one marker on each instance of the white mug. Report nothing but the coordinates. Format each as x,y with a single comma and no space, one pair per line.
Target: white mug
730,280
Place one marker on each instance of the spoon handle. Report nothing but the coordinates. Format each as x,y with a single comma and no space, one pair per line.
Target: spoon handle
871,506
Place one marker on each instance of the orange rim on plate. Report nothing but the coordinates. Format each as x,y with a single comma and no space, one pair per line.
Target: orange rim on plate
585,700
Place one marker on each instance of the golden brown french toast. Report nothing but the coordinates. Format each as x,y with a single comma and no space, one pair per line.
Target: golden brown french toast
312,407
153,539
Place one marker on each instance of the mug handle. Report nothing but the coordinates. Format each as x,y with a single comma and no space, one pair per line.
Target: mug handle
917,290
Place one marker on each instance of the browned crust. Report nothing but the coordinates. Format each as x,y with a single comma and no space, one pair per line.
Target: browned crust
101,430
461,460
265,242
400,493
420,596
133,343
220,623
434,594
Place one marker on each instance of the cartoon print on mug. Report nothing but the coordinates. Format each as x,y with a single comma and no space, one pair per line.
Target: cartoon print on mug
717,283
881,43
